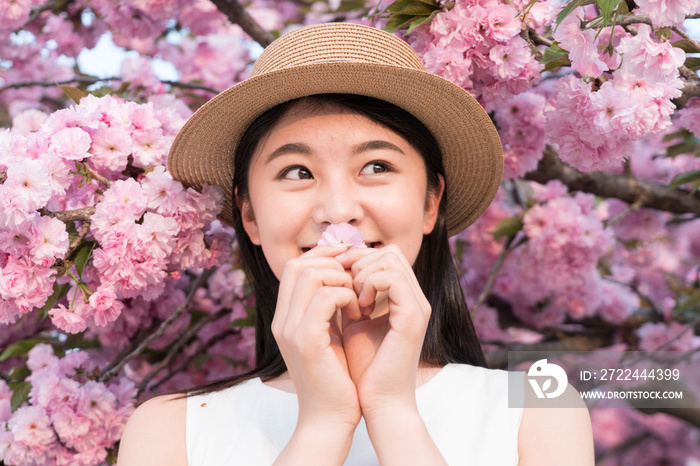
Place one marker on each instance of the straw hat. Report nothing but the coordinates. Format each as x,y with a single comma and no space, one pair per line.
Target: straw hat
348,59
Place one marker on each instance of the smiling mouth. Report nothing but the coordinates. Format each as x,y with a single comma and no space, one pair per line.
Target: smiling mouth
373,245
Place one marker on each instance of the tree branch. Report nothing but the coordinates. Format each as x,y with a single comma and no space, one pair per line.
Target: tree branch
685,36
237,15
92,173
86,80
636,19
70,215
202,347
161,329
178,344
525,34
492,277
603,184
60,264
34,12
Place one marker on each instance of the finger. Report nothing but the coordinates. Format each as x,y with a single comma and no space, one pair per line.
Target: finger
320,311
325,251
408,312
308,282
386,260
362,261
293,268
354,254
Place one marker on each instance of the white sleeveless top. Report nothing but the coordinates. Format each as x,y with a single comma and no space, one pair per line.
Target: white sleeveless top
465,409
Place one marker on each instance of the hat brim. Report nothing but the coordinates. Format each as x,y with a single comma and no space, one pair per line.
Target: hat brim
203,150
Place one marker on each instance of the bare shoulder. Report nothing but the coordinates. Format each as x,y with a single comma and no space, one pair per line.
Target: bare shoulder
155,434
556,436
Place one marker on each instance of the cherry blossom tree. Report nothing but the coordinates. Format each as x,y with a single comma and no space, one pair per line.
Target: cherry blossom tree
117,282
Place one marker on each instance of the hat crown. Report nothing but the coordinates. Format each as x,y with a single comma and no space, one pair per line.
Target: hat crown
336,42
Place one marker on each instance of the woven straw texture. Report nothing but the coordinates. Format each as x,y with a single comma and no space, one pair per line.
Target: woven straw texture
351,59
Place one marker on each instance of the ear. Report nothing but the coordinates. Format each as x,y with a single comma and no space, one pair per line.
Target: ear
248,218
432,206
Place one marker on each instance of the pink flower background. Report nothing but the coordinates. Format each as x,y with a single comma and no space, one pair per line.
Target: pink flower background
116,282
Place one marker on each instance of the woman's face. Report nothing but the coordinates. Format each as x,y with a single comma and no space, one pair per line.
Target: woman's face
331,165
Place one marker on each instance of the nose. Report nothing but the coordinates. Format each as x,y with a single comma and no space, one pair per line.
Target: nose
337,201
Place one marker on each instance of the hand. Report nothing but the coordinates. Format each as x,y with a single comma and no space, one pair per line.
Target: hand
312,287
383,352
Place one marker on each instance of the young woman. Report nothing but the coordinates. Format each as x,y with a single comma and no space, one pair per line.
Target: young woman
364,356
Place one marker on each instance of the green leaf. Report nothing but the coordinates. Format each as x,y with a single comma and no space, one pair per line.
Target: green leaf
82,255
607,7
686,147
683,178
17,375
407,6
571,6
681,133
397,22
20,395
688,302
73,92
18,348
507,227
686,46
663,33
692,63
554,57
416,9
417,22
397,6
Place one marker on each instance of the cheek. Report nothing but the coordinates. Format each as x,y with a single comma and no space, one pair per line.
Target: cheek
402,215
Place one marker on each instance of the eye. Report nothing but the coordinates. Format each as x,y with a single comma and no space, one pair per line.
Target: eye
296,172
375,168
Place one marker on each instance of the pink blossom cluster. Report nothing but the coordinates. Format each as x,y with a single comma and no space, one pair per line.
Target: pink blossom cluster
29,242
477,46
342,234
69,419
585,46
135,18
649,264
26,68
15,14
673,336
142,79
62,31
144,229
667,439
689,117
521,124
218,60
595,129
554,274
667,12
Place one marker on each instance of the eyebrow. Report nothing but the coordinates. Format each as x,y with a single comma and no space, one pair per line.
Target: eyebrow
290,148
303,149
375,145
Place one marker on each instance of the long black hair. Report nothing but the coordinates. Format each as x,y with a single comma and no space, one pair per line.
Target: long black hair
450,336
